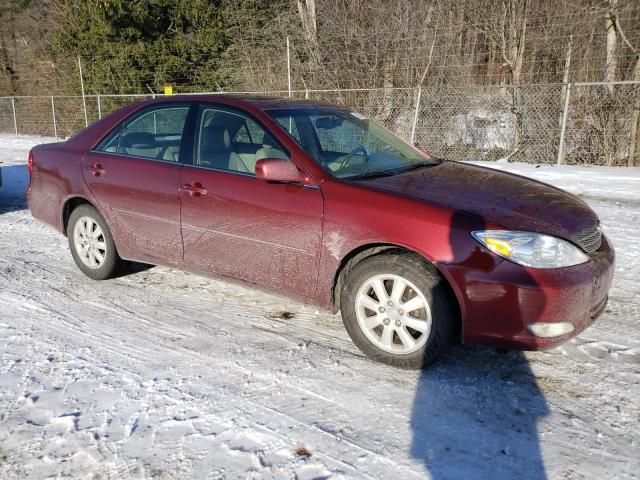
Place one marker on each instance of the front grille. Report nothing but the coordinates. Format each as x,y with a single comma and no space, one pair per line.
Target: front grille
590,239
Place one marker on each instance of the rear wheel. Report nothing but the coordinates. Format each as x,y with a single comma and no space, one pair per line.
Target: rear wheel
398,310
92,245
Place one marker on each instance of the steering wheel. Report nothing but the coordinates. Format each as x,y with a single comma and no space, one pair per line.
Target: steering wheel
351,155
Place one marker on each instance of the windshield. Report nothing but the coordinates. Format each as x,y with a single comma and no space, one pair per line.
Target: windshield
347,144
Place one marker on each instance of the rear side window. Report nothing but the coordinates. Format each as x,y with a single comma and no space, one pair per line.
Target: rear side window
110,144
154,133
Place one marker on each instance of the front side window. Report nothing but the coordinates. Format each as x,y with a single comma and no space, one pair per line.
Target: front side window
288,123
154,133
347,144
232,141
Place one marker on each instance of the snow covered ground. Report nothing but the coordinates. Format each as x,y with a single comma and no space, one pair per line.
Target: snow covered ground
162,374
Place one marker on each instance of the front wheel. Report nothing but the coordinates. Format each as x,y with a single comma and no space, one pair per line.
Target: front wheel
397,310
92,245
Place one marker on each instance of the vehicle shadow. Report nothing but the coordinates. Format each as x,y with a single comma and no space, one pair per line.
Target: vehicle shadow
475,412
15,180
133,268
475,416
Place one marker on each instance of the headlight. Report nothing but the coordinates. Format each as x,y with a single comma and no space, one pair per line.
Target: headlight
531,249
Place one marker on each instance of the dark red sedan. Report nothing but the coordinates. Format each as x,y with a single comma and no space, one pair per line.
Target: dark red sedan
319,203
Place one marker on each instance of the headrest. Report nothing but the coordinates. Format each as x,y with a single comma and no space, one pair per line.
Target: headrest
270,152
138,140
267,141
215,139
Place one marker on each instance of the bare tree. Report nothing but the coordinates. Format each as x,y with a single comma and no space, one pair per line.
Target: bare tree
307,12
611,61
508,33
511,32
634,138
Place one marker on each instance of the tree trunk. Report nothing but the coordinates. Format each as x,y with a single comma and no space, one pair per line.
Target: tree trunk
307,12
514,29
634,138
567,61
565,92
8,44
611,45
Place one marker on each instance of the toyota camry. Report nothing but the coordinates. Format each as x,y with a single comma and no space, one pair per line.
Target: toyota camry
320,203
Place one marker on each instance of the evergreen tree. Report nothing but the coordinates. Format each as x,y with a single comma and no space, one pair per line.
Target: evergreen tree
126,46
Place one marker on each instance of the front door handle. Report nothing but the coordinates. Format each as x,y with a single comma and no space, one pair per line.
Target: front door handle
195,189
96,170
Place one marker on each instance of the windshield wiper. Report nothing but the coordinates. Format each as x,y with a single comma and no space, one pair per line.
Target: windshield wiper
415,166
372,174
391,172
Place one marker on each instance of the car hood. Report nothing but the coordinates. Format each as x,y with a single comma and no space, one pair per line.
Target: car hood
515,202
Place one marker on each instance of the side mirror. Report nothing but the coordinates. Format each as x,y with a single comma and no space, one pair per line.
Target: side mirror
277,170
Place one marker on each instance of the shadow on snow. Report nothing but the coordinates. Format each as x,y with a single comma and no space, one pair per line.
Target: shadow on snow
475,412
15,180
475,416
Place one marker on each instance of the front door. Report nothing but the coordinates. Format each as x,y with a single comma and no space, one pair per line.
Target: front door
135,176
238,226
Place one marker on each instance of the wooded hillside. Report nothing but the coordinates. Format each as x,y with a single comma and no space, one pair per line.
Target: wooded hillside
134,46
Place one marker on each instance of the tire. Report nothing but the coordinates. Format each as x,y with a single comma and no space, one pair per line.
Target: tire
83,217
437,315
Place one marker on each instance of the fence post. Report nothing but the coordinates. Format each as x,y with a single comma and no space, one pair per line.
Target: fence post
84,101
415,117
99,107
563,125
288,66
13,109
53,114
306,94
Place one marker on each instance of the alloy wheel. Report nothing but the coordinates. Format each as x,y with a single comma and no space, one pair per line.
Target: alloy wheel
89,242
393,313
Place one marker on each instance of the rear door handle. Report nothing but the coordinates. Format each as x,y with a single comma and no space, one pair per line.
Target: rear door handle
195,189
96,170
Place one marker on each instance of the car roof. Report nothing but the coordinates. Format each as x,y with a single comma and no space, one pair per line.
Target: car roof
261,102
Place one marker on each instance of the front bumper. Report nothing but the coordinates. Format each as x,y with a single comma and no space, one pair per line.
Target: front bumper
498,302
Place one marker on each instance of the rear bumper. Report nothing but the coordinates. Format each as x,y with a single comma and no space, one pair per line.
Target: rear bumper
44,206
499,303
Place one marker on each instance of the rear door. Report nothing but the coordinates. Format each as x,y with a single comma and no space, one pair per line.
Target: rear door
238,226
135,176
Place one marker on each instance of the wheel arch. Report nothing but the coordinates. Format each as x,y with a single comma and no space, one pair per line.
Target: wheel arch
69,206
363,252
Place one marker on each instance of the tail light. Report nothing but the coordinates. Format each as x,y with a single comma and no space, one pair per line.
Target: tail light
30,162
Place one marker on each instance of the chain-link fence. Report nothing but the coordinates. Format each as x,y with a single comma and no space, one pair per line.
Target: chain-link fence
491,123
581,123
602,124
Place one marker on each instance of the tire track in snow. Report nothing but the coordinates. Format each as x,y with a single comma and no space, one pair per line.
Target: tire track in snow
76,327
261,365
